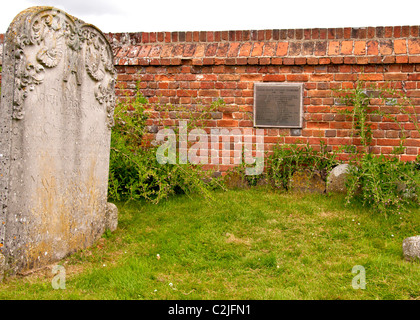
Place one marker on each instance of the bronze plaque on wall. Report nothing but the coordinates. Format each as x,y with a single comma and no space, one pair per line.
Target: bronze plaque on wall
278,105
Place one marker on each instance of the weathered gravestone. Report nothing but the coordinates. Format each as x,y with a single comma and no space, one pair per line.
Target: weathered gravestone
411,248
56,116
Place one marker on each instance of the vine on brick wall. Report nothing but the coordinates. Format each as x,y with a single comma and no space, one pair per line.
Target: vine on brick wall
380,181
135,172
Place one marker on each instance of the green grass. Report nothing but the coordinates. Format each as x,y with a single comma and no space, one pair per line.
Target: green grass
248,244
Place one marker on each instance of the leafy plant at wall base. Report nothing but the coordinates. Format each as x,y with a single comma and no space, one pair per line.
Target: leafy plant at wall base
135,172
379,181
285,160
241,178
385,183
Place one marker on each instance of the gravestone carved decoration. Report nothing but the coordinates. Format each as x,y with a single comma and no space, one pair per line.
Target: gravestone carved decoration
278,105
56,115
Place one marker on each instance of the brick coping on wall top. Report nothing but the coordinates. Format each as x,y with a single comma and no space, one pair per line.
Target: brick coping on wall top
138,38
370,45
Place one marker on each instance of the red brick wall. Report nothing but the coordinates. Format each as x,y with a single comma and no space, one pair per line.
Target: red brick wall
185,68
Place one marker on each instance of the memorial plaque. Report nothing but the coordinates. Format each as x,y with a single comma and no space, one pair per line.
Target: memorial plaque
278,105
55,128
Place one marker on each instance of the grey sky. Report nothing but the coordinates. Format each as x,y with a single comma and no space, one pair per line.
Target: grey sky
214,15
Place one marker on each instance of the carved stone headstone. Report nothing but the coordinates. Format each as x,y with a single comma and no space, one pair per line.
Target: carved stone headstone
55,125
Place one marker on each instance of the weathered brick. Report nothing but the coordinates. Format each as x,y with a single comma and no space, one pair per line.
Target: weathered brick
360,47
362,60
321,77
228,123
270,49
372,48
245,49
211,50
333,48
251,77
324,60
199,50
320,48
414,59
228,77
233,49
282,48
264,61
386,47
414,46
297,77
276,61
253,60
300,60
274,77
337,60
222,49
400,46
144,51
395,76
312,61
401,59
295,48
257,49
288,61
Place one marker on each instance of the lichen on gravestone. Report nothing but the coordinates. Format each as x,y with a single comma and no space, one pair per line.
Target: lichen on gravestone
56,115
307,181
2,267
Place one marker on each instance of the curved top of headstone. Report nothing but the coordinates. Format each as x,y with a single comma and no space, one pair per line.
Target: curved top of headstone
34,26
24,25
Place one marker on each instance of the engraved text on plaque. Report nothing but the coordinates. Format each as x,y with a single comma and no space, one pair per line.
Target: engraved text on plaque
278,105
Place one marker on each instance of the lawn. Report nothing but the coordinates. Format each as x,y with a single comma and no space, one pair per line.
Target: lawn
245,244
